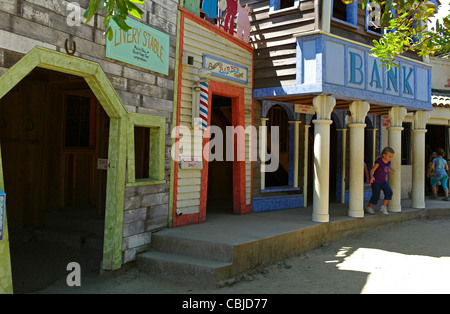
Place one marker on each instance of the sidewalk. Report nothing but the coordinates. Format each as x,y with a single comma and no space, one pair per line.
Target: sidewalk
284,229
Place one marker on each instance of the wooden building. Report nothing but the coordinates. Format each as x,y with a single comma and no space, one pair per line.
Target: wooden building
315,79
215,76
85,126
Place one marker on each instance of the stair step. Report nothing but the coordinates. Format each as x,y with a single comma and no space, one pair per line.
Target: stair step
192,247
181,267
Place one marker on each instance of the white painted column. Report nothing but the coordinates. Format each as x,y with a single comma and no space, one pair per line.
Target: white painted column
324,106
396,116
359,111
263,150
305,166
418,162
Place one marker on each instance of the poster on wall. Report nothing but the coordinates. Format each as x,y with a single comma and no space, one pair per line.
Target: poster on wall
141,45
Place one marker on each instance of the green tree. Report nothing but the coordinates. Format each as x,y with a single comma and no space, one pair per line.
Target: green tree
405,29
118,10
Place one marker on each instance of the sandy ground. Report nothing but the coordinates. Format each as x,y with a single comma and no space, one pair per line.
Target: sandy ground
409,257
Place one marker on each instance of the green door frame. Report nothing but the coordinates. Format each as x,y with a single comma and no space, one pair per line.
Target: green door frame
111,103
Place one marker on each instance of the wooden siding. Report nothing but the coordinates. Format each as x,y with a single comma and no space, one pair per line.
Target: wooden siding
199,40
273,41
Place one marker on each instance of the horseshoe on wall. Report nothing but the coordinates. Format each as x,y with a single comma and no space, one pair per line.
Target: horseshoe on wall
73,46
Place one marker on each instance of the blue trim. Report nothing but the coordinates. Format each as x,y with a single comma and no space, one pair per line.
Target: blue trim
399,93
264,204
367,195
271,189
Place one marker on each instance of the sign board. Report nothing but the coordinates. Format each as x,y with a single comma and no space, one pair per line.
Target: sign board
191,163
304,109
142,46
2,214
102,164
385,121
226,69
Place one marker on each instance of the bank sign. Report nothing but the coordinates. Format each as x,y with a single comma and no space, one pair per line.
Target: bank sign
333,65
142,46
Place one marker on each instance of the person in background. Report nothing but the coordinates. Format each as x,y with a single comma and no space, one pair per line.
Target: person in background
440,167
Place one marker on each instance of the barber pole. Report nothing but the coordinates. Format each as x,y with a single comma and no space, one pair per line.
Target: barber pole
203,105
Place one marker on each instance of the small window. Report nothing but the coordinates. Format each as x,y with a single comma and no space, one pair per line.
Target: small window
347,13
339,10
286,4
79,122
373,18
142,152
146,149
283,5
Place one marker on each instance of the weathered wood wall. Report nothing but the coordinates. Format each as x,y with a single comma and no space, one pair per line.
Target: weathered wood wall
27,23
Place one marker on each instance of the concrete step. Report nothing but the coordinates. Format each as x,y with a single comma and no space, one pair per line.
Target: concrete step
182,267
72,238
192,247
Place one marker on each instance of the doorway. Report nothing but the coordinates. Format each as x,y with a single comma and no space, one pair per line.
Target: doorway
98,82
51,141
224,94
220,170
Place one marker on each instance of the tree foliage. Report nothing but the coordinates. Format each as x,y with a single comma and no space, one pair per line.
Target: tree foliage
405,29
118,10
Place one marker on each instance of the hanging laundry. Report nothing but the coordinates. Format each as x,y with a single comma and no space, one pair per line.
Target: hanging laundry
229,17
210,8
243,23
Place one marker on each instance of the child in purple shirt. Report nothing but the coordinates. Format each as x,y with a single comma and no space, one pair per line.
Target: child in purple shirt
378,181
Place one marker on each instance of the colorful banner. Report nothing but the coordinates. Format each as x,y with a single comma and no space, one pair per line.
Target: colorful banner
141,46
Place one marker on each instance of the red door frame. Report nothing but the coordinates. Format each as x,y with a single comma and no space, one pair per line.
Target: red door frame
237,95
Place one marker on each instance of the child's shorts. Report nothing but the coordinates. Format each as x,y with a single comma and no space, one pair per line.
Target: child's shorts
376,189
443,181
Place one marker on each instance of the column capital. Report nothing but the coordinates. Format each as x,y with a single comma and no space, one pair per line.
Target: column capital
396,115
421,118
357,125
359,110
324,106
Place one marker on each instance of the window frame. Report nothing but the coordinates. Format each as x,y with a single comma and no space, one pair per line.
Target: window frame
157,127
352,14
276,4
366,26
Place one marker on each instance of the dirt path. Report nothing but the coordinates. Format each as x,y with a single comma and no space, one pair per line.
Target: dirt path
410,257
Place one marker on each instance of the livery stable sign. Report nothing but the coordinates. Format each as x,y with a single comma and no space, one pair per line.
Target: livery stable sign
141,46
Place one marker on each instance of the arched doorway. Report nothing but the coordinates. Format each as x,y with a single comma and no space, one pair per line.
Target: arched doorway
103,91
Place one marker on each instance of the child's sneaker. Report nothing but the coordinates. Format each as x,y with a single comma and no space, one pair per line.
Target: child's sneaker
369,210
383,209
446,199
